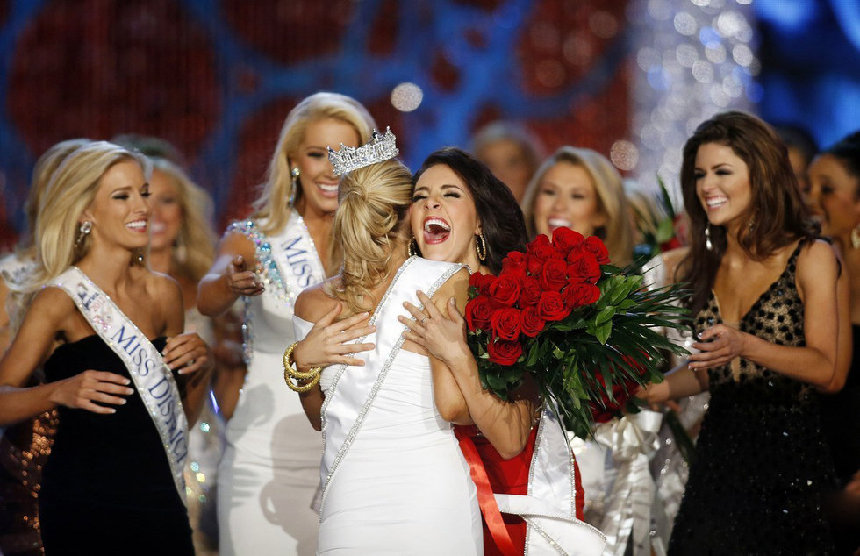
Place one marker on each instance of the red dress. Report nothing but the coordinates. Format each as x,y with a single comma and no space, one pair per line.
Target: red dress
507,477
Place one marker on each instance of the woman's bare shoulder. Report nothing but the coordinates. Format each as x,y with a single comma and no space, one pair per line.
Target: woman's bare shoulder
672,261
314,302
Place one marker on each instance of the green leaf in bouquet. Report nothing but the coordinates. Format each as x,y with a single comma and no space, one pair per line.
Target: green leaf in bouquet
605,314
600,331
496,382
557,353
534,354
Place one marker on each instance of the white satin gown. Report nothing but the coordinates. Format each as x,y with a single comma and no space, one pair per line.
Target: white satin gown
393,478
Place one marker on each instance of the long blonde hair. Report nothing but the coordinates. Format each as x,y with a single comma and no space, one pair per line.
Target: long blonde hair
71,189
374,202
44,168
196,239
272,204
617,234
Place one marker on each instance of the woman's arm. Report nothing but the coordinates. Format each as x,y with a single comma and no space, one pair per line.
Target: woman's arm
844,348
186,352
506,424
231,276
50,309
814,363
679,384
309,306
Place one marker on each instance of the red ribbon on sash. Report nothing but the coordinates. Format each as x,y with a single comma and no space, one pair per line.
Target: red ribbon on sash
486,499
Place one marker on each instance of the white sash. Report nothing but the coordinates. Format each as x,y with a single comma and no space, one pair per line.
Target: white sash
152,379
353,393
549,508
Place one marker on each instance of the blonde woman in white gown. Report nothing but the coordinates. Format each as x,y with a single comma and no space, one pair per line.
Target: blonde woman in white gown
268,476
393,478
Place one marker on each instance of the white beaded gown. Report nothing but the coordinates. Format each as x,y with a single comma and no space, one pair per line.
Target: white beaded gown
270,469
393,478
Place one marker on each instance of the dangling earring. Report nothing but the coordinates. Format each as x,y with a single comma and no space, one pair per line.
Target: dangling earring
412,250
83,231
180,253
481,247
855,238
708,244
294,185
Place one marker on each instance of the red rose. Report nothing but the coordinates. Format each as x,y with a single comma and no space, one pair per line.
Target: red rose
584,269
515,259
540,241
517,273
506,323
596,247
582,293
541,249
530,291
564,239
530,322
505,290
478,312
504,352
534,265
551,306
481,282
554,275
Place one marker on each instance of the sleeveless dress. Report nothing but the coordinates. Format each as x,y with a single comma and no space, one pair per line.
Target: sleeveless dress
269,472
761,462
393,478
107,487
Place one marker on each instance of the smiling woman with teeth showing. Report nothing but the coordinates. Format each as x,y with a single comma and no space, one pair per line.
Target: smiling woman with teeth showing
108,334
462,213
269,472
764,305
580,189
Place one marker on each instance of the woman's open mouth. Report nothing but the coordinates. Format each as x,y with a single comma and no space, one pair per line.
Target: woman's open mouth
436,230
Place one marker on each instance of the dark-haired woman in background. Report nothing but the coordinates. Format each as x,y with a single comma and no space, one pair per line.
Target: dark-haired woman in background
834,191
764,301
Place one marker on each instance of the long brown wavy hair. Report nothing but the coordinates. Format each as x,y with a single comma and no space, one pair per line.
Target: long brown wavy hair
776,214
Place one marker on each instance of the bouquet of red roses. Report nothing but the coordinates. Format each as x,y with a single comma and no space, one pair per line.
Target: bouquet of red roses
580,327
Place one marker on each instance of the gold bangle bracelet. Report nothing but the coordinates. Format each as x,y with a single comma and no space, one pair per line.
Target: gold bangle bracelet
302,388
295,373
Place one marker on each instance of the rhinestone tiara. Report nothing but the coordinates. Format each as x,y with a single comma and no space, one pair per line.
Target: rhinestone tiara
382,146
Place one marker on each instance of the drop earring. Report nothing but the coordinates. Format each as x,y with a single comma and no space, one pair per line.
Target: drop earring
708,243
294,185
412,250
83,231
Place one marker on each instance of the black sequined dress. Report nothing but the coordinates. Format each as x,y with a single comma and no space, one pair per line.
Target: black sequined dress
107,486
762,465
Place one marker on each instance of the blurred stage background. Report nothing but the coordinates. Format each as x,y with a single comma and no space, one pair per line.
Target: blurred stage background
629,78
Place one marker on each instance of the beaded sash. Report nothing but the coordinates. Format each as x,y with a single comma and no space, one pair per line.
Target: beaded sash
152,378
352,395
286,263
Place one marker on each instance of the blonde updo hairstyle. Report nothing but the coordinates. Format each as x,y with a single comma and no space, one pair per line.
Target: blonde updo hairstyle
194,248
617,234
272,204
374,201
